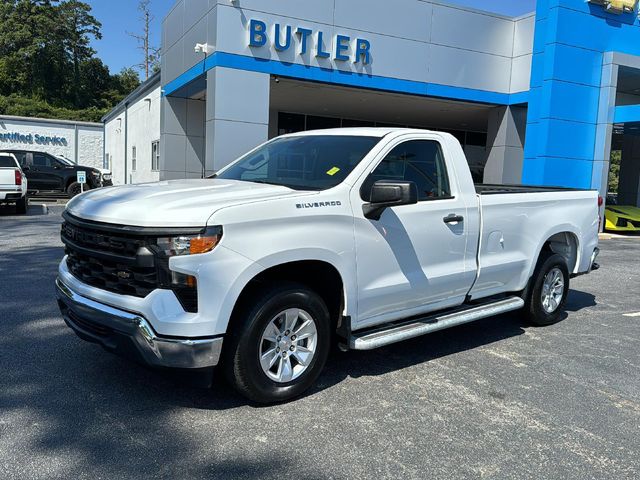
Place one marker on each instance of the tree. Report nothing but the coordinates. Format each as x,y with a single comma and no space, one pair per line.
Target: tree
47,66
614,170
28,33
127,80
78,26
151,54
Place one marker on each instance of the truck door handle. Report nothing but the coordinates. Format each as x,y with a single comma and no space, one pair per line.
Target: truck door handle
453,218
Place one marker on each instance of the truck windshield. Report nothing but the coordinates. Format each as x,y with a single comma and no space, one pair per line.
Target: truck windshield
314,162
66,161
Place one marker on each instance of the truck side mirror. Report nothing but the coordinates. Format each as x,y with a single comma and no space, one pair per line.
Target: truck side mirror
389,193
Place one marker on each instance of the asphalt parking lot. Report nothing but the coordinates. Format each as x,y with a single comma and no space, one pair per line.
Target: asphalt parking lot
492,399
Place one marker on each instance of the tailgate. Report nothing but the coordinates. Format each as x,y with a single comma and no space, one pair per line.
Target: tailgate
7,176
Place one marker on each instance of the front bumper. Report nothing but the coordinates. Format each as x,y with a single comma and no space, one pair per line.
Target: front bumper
130,334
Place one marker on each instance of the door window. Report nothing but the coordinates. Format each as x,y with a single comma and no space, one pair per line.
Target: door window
418,161
42,160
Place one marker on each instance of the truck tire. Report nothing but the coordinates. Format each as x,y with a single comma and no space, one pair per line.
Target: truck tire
74,189
21,205
278,344
548,291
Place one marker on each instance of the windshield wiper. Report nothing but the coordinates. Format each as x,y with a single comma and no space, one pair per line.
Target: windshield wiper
292,187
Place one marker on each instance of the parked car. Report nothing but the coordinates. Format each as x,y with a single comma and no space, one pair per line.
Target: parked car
622,218
48,173
13,183
107,180
370,236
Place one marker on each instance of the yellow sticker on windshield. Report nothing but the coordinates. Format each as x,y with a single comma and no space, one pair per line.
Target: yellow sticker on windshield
333,171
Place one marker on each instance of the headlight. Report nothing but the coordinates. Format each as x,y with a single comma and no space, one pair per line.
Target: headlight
190,244
106,176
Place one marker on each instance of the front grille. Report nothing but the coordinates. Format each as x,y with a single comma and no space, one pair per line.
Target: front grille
121,259
112,276
113,261
126,245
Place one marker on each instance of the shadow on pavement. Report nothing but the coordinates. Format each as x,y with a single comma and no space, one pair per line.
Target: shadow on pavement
128,420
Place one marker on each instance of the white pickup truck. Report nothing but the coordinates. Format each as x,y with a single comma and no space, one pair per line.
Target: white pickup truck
13,183
364,236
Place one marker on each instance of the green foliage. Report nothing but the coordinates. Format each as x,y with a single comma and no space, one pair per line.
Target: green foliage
614,170
47,66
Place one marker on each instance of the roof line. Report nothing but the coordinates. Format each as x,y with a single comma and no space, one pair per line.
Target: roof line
142,89
50,120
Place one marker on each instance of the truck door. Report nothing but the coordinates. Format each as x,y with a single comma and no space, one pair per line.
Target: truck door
47,170
33,176
415,259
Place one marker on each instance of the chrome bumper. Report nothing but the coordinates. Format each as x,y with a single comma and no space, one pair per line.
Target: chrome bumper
131,334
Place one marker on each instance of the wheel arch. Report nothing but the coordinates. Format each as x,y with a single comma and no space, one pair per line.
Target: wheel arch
319,275
565,242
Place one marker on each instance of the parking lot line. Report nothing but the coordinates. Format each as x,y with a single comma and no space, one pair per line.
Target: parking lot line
636,314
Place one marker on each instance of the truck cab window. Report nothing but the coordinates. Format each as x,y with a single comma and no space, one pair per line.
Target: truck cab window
21,157
418,161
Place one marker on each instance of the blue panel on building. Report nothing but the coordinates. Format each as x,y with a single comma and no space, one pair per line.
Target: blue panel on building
570,101
563,139
570,41
563,172
573,64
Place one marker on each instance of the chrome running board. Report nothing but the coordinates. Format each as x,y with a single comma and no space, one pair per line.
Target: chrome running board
380,336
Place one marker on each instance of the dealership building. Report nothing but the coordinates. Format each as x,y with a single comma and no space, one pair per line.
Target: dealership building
80,142
539,99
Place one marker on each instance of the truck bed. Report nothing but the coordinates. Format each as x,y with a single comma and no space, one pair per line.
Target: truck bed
494,189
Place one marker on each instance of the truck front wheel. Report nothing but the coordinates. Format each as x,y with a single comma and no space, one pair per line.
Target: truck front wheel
279,344
548,291
74,189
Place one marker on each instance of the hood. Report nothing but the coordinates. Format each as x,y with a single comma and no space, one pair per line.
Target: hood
174,203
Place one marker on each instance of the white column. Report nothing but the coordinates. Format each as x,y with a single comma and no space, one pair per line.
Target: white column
237,114
182,146
505,145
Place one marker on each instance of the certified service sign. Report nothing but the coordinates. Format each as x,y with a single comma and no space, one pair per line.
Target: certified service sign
617,6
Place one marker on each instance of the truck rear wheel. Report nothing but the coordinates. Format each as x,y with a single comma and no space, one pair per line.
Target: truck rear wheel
21,205
548,291
279,344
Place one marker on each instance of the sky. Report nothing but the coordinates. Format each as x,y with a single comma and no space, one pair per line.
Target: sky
118,50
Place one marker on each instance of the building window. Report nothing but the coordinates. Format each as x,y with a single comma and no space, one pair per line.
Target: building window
134,160
106,162
155,155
